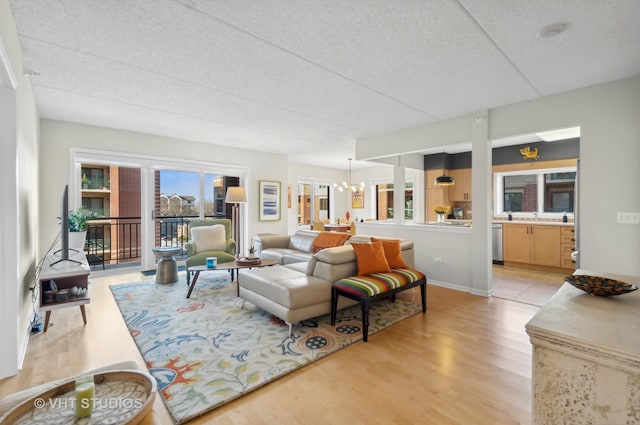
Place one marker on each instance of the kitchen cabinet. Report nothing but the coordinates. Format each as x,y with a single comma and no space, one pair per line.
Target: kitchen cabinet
461,190
533,244
567,246
439,196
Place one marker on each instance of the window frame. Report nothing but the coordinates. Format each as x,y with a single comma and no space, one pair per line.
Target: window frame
409,179
498,198
329,200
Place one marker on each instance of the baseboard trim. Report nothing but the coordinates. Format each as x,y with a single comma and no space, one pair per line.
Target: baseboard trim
449,285
23,348
538,267
460,288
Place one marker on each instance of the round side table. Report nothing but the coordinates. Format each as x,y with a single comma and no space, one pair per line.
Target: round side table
167,268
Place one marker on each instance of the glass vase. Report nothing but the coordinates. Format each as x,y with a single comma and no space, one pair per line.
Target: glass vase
440,218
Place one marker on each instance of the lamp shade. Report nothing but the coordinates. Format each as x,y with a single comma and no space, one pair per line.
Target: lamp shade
444,180
236,195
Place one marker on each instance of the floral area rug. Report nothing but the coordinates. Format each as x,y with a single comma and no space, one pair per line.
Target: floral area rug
214,347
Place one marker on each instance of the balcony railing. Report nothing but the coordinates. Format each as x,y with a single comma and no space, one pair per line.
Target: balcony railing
115,240
96,212
118,240
95,183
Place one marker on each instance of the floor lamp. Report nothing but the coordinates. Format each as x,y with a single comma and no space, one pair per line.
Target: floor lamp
236,195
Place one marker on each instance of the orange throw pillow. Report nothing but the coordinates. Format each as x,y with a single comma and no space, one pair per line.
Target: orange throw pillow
329,239
370,258
392,252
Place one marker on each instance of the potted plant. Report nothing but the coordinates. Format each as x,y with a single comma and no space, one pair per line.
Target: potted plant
252,252
78,227
441,210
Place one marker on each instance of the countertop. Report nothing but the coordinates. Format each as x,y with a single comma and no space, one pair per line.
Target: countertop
468,223
534,222
457,223
603,326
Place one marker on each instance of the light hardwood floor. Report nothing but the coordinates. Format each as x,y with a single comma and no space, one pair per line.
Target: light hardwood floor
467,361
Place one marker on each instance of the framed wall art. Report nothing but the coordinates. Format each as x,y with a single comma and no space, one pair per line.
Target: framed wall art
357,199
269,200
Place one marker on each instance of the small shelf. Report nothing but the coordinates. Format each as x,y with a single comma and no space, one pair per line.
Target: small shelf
66,275
71,302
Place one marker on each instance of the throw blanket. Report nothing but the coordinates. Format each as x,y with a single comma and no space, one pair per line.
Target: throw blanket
329,239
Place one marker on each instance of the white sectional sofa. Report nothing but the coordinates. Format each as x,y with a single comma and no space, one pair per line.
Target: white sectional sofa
296,291
286,249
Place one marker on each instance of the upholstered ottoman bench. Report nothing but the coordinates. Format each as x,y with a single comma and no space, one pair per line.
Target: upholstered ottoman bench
371,288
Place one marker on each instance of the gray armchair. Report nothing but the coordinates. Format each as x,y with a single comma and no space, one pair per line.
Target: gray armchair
200,258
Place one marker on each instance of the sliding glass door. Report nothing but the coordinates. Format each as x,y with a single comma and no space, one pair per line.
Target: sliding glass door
111,195
138,203
314,203
181,196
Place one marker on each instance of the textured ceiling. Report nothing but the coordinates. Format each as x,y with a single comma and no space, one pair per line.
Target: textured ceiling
306,78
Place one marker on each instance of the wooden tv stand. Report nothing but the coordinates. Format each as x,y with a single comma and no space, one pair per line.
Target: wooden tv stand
66,275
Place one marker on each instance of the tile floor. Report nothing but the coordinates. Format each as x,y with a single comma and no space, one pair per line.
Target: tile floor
525,286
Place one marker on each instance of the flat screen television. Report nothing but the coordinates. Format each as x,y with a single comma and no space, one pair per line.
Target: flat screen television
64,229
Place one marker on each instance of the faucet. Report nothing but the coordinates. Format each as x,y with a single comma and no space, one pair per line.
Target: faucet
535,215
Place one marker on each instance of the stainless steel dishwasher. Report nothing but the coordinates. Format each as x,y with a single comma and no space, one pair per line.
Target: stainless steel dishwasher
496,242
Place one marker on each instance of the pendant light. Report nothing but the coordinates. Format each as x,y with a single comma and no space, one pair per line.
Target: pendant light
353,187
444,180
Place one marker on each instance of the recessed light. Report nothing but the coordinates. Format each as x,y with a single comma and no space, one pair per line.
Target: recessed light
552,30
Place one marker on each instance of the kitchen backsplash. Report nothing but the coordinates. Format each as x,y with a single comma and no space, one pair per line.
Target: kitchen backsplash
466,209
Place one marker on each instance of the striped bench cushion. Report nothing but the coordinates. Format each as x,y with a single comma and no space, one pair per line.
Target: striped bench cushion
378,283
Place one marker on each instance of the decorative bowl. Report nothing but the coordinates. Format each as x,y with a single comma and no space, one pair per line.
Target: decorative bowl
244,261
600,286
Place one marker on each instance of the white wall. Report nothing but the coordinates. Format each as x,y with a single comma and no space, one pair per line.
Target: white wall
608,116
18,190
59,137
436,249
609,151
371,175
313,173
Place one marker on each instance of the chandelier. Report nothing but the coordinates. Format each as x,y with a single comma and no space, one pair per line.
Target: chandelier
353,187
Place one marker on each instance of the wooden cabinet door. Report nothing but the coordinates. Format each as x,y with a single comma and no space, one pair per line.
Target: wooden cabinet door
516,246
545,245
461,190
567,246
467,183
439,196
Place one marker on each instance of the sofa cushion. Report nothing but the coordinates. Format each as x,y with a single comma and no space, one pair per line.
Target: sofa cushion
329,240
392,252
287,287
296,257
301,242
370,258
201,258
284,255
299,267
209,238
271,241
